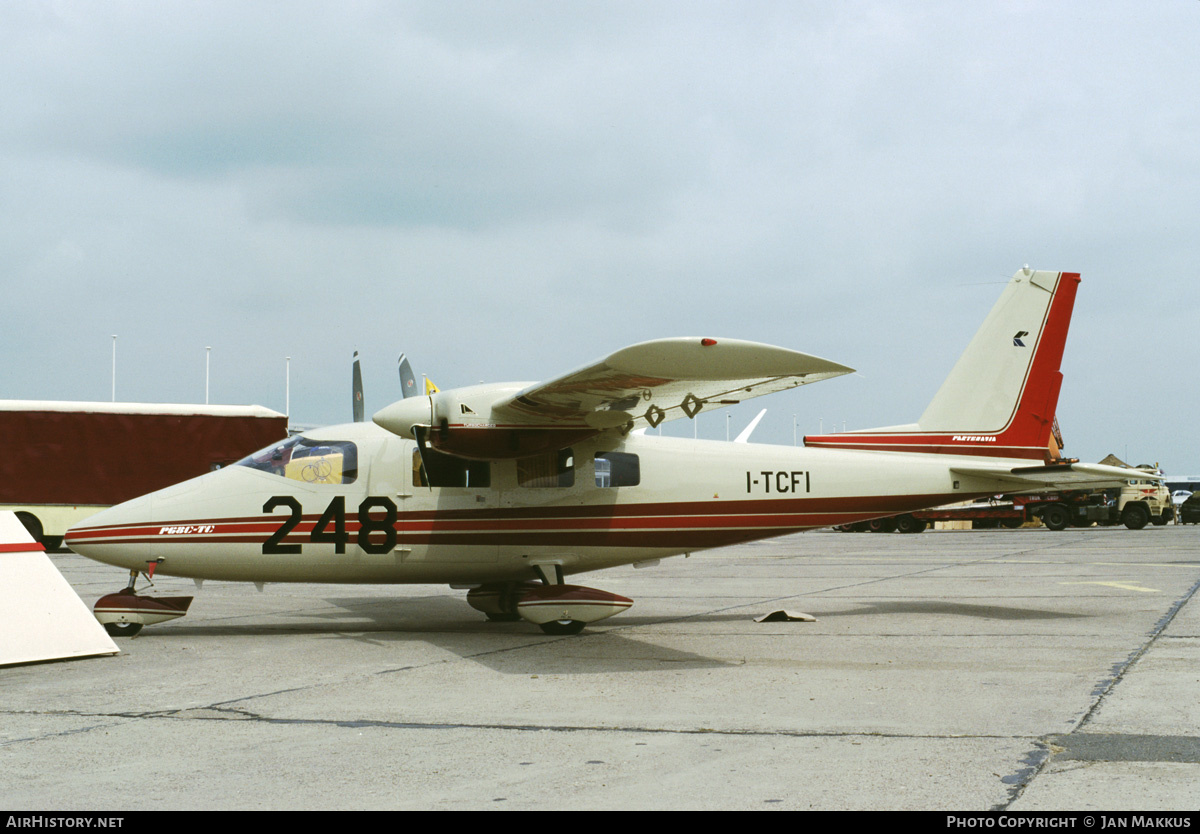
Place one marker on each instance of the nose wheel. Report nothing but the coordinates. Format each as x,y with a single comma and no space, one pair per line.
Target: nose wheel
562,627
122,629
124,613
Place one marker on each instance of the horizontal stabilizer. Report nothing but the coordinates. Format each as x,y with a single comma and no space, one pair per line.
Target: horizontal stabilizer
1060,476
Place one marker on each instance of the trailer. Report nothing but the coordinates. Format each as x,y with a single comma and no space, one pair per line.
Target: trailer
1137,503
64,461
1000,511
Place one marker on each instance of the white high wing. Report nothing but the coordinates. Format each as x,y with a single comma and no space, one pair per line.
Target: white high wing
510,488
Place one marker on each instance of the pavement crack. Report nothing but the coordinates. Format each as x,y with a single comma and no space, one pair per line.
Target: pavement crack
1033,763
1054,745
1120,669
221,712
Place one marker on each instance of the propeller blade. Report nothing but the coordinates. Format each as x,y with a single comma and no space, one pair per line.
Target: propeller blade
408,382
421,433
357,392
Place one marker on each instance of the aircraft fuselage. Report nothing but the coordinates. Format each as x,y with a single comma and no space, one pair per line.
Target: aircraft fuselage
606,501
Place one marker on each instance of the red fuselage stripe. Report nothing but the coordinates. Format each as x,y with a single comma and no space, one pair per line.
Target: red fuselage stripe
637,525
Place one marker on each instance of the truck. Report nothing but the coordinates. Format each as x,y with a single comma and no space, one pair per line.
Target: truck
64,461
1135,504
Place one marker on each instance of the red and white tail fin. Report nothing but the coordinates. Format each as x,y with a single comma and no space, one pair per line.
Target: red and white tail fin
1001,397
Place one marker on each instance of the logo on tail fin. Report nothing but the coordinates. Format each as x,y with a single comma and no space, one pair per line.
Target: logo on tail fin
1017,339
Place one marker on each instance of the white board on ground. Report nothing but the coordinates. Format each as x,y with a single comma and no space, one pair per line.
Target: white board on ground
41,616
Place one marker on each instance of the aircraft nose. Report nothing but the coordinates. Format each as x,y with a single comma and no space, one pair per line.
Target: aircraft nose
114,535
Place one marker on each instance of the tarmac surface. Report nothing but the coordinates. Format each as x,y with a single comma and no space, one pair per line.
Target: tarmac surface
963,670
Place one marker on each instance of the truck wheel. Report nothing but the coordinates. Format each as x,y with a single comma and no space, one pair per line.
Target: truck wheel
1056,518
1135,516
33,526
881,525
1012,523
907,524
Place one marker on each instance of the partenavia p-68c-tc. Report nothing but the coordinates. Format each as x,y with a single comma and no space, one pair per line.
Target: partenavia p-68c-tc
509,488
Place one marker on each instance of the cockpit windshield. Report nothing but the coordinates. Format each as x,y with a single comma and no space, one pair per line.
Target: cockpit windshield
307,460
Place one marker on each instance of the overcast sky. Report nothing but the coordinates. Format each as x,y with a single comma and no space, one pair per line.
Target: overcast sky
508,190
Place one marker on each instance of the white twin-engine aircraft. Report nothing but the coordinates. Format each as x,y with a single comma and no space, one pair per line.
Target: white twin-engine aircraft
507,489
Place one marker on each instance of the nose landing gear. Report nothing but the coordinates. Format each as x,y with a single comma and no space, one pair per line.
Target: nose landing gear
124,613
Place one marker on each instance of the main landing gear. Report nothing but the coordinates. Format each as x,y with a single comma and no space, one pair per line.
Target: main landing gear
557,608
124,613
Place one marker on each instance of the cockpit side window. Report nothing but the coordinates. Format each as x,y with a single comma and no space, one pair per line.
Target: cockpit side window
309,461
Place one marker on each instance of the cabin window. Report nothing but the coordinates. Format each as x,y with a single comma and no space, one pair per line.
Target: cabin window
617,469
553,469
448,471
309,461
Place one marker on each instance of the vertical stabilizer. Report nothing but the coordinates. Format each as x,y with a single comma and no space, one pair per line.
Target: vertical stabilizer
1000,398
